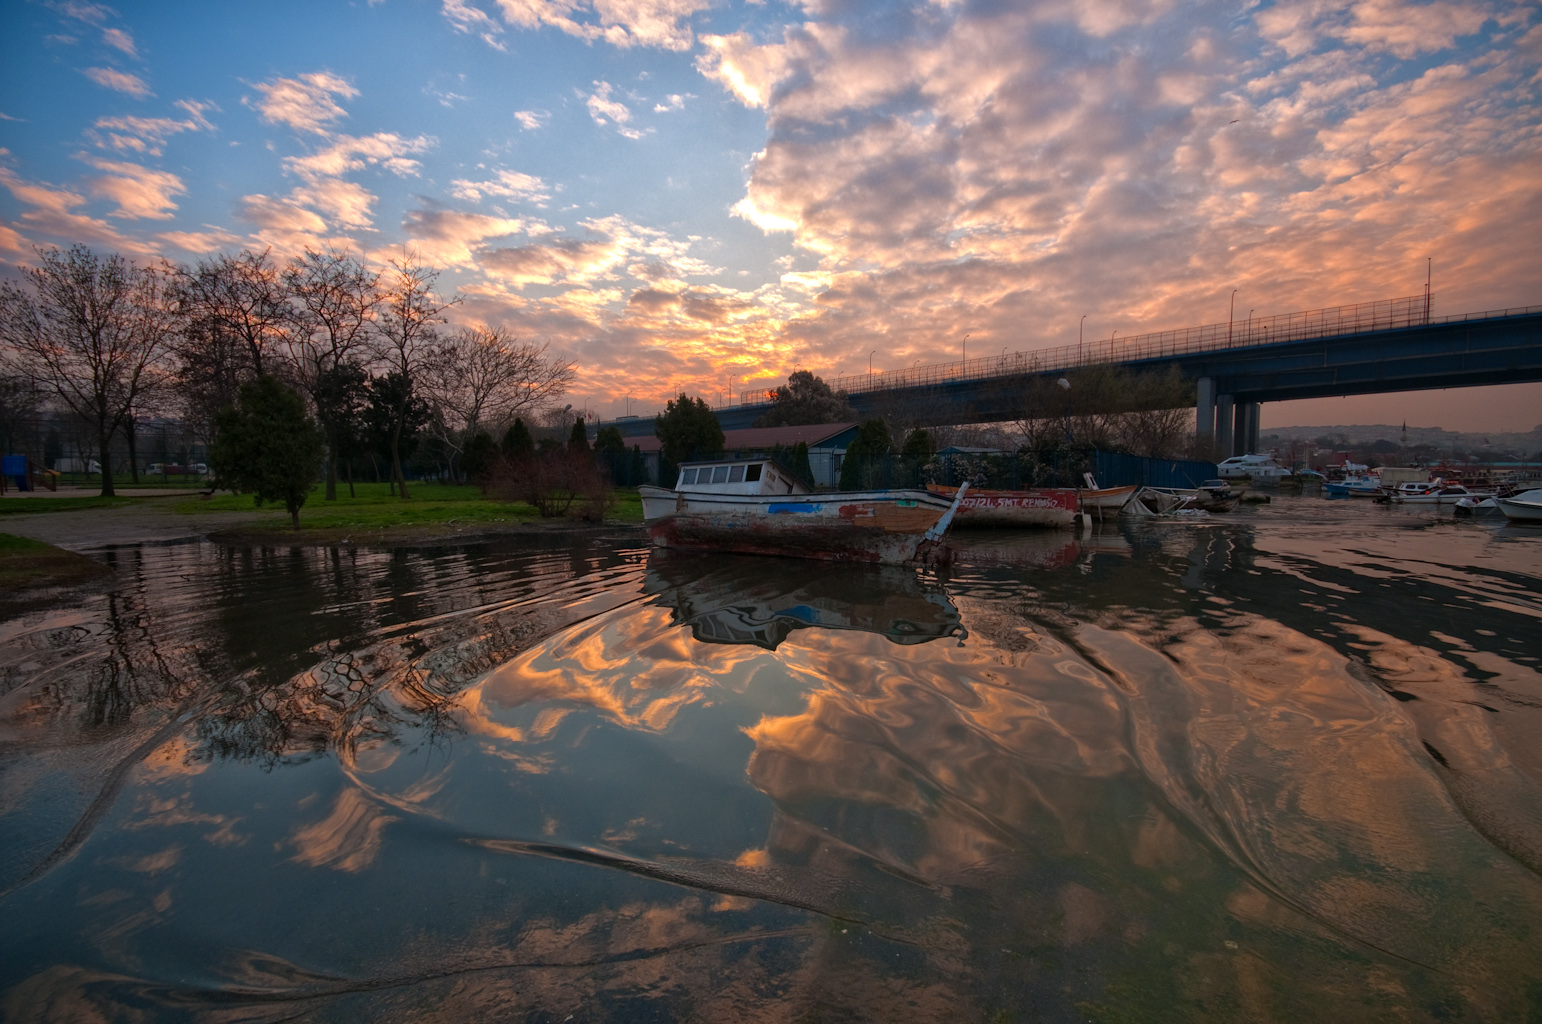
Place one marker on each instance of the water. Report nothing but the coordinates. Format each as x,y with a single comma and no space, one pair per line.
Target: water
1281,766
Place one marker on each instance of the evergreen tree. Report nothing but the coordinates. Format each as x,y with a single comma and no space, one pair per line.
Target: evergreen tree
266,444
578,437
609,439
872,444
517,443
688,429
478,457
806,398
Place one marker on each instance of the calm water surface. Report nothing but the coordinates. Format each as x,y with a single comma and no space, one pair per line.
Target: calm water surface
1281,766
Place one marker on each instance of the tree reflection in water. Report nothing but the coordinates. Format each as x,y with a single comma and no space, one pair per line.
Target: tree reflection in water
1155,773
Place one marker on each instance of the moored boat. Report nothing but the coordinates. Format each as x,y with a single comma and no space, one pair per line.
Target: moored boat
1354,485
1034,507
1103,499
1436,492
1525,507
757,507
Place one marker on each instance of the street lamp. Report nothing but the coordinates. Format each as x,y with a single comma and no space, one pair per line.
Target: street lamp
1231,315
1079,338
870,362
963,365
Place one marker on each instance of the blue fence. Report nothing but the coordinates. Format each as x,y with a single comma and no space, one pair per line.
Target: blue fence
1117,470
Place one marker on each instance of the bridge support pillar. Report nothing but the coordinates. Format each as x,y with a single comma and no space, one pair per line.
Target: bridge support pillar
1223,425
1239,432
1250,441
1204,411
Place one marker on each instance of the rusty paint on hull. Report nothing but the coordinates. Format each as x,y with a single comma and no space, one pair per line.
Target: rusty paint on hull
1036,507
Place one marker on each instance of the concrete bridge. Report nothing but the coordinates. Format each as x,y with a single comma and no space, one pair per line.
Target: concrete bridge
1369,348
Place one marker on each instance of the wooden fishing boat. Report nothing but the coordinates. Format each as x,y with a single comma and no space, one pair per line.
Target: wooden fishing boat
1095,498
756,507
1035,507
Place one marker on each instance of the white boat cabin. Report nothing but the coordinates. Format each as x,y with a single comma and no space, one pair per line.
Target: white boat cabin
738,477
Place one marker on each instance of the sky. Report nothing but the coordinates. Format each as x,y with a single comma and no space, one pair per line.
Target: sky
705,195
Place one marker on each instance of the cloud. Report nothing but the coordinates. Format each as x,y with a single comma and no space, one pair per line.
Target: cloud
449,237
674,101
345,153
304,103
199,242
503,185
530,120
468,18
120,40
622,23
608,111
148,135
120,81
1394,26
139,192
1001,170
52,215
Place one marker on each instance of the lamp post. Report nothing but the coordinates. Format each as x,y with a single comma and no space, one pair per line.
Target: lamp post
1111,345
1247,332
965,364
1079,328
1231,315
870,363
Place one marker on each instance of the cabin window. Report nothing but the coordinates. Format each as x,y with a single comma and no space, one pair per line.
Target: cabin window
736,475
719,474
688,476
752,473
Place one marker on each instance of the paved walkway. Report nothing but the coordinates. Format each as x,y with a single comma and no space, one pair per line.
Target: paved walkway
139,523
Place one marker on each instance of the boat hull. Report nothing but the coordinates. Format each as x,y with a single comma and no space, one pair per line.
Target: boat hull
1106,497
887,527
1036,508
1522,508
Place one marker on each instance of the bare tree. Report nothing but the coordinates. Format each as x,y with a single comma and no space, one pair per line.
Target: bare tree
243,295
487,377
93,331
333,301
410,310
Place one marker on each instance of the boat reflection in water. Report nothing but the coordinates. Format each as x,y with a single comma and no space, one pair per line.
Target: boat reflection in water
745,600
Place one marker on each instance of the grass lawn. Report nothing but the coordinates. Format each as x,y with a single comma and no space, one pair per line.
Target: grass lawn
374,508
25,562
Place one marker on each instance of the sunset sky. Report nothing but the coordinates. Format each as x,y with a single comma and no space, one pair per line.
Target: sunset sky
688,194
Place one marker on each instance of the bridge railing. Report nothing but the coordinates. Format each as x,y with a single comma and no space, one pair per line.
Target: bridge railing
1360,318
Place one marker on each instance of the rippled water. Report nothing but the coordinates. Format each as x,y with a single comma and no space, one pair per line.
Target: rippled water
1281,766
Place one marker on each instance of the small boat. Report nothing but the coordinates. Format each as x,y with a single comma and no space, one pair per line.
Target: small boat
1355,485
1209,496
1258,468
1039,506
757,507
1156,503
1436,492
1093,497
1525,507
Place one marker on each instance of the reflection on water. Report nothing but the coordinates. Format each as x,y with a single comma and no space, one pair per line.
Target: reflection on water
1278,767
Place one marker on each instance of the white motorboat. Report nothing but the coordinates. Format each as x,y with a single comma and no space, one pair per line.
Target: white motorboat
1525,507
1259,468
757,507
1354,485
1435,492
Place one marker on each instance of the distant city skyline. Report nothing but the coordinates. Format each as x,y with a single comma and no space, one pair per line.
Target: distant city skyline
697,196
